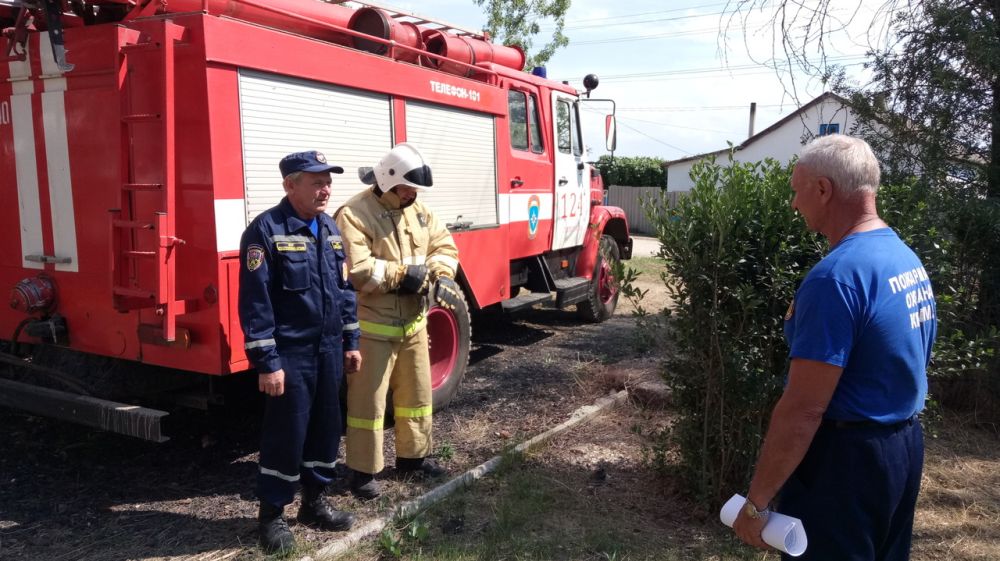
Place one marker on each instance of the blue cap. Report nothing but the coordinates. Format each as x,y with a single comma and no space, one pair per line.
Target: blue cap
312,161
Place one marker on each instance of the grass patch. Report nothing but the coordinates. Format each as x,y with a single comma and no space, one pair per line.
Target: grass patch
649,267
530,513
590,495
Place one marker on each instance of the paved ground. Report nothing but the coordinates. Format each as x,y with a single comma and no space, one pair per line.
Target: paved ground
645,246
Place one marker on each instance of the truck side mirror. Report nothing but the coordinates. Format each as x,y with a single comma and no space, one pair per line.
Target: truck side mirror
610,133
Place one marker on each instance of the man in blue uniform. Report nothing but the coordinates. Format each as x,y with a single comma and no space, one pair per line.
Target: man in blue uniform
844,445
299,318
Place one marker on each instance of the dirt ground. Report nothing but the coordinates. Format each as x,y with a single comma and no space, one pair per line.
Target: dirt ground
69,493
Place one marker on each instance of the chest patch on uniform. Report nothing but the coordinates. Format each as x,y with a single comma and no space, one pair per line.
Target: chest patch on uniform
290,246
791,310
422,219
255,257
337,245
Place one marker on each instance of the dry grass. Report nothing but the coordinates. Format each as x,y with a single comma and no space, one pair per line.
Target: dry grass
958,514
590,494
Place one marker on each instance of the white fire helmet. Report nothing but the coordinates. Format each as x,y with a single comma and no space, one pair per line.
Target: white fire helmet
403,165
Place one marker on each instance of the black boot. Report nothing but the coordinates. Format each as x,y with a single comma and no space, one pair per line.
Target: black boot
315,511
364,485
275,537
426,466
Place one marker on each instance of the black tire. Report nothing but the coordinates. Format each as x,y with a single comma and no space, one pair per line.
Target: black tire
450,334
602,298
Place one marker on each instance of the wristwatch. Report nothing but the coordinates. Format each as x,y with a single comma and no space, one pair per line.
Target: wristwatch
751,511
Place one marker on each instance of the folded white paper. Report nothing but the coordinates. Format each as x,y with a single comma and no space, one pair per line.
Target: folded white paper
781,532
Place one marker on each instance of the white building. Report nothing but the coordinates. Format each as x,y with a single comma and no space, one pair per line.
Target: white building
827,114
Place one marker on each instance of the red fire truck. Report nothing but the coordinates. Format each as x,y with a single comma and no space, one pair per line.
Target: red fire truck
138,138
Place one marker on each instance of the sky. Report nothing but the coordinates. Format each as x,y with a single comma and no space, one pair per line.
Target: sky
680,87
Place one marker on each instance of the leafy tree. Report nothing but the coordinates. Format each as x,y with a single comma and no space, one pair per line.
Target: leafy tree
636,171
516,22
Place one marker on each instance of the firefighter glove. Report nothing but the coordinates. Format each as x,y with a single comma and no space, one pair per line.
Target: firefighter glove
446,293
440,271
414,280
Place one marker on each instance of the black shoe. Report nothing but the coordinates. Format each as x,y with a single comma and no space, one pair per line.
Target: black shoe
275,537
315,511
364,485
426,466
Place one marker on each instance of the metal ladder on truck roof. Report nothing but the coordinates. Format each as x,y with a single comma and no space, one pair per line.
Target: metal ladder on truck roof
139,240
418,19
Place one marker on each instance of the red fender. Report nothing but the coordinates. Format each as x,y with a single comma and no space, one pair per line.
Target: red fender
601,219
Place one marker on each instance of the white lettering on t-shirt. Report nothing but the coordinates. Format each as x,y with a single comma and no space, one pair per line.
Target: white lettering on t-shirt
918,293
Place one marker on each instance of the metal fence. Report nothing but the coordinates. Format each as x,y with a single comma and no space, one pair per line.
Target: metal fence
630,200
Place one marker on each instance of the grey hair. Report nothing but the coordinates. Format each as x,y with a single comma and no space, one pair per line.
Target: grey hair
294,176
846,160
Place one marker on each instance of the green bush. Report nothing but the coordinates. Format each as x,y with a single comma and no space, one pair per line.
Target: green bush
637,171
956,233
734,253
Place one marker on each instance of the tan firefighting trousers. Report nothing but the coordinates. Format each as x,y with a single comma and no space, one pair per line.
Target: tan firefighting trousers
404,367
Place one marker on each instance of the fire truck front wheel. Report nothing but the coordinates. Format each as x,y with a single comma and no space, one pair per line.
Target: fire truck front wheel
450,334
603,297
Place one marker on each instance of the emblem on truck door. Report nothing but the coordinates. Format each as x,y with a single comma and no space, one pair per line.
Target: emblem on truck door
534,209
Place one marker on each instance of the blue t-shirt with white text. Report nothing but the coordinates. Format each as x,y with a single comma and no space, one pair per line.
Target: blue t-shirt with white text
868,307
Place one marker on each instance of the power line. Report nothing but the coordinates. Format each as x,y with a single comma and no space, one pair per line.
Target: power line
634,120
654,139
664,108
699,72
623,16
667,35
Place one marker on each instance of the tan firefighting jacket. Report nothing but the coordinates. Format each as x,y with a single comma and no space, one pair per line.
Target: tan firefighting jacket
380,240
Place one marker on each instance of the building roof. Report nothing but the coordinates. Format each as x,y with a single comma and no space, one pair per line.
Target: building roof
815,101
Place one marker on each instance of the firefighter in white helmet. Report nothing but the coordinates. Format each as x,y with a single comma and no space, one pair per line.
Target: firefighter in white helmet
401,260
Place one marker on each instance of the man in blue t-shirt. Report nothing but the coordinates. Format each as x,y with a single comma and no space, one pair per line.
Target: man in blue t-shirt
844,446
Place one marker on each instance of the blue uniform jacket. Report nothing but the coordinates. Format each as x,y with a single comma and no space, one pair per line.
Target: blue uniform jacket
294,293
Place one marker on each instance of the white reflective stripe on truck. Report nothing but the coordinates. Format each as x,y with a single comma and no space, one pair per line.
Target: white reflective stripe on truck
25,164
56,147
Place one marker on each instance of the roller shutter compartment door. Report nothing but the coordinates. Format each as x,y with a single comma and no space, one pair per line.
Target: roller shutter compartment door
460,146
281,115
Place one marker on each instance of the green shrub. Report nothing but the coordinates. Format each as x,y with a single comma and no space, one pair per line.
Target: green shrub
956,233
734,253
636,171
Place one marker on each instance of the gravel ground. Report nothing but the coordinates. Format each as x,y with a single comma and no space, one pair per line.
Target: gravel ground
67,492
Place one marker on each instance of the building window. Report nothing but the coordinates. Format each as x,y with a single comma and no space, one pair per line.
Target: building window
829,128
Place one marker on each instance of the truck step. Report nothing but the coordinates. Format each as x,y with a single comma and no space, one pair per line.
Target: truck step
570,291
525,301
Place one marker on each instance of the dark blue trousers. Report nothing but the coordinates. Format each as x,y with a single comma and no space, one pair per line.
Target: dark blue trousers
302,427
856,490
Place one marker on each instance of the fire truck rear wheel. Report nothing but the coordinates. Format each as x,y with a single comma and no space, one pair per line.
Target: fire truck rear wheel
603,297
450,334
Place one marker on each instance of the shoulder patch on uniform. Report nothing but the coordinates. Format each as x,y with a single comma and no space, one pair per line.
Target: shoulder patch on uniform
255,257
422,219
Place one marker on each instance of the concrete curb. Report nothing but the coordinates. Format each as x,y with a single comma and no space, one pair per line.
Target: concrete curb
373,527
